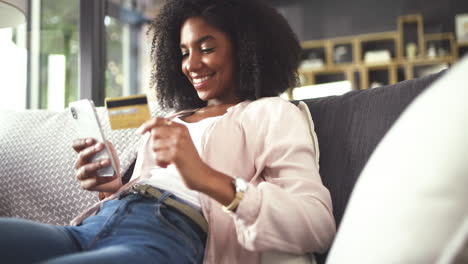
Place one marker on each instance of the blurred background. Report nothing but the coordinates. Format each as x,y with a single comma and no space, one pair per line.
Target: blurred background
61,51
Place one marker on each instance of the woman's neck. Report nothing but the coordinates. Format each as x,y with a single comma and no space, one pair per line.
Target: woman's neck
215,108
207,111
225,100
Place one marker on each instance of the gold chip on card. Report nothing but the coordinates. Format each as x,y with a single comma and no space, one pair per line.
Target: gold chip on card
127,111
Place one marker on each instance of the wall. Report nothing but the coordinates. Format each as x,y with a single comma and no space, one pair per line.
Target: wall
318,19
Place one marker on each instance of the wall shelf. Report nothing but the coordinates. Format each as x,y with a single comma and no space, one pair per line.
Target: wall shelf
384,57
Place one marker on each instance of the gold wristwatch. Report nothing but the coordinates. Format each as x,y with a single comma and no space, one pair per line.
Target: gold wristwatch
241,187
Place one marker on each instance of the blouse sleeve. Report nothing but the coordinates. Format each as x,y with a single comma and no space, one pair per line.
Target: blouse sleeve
290,209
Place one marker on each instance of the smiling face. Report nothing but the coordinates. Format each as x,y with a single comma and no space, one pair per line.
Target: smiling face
208,61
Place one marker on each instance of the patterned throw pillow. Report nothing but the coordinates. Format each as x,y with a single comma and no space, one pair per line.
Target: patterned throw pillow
37,179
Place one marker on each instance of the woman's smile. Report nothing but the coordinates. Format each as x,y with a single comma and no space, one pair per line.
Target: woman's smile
199,82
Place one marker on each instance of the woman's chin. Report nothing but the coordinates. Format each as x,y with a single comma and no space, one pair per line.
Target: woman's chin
203,95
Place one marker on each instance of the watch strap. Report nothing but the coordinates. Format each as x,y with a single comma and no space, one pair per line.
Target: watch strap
240,186
233,205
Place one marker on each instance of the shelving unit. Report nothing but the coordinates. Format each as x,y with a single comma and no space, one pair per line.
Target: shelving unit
410,29
381,73
385,57
445,41
373,42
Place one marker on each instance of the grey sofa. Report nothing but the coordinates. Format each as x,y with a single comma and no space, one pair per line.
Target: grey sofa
36,176
350,126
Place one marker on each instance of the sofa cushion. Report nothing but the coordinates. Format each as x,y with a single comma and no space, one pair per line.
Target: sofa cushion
349,128
37,179
411,199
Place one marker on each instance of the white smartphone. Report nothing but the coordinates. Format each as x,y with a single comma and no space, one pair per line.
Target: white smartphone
88,126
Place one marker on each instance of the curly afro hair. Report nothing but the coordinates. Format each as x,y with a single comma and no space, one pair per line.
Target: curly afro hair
266,49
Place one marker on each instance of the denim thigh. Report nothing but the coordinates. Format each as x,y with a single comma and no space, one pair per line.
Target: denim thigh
141,230
24,241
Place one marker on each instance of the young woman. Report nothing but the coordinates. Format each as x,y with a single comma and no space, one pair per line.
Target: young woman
232,177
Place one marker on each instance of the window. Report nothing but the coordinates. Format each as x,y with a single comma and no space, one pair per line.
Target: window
54,53
127,49
13,67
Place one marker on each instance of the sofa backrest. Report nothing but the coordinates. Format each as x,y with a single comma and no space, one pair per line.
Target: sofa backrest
350,126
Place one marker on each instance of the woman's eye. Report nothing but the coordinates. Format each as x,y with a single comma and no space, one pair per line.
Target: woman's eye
207,50
184,54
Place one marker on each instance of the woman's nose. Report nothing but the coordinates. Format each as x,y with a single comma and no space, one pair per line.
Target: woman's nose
193,62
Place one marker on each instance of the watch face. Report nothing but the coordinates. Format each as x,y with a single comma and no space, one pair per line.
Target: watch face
241,185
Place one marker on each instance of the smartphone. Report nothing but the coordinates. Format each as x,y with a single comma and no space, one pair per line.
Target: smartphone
88,126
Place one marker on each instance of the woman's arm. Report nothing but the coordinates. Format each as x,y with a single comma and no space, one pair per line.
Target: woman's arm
290,210
171,143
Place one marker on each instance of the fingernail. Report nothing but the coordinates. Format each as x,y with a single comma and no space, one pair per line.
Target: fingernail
98,146
104,162
139,131
88,141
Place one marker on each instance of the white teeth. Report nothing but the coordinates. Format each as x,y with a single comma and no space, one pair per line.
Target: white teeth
199,80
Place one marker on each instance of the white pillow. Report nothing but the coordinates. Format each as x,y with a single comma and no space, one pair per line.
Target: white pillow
457,250
412,196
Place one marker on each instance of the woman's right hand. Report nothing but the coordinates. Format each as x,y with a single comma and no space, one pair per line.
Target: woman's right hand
86,170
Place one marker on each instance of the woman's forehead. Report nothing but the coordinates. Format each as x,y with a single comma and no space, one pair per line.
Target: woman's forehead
197,30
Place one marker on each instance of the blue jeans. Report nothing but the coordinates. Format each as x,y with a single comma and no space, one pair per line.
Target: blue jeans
135,229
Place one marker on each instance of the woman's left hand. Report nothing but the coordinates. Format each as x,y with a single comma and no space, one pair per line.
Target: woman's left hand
171,143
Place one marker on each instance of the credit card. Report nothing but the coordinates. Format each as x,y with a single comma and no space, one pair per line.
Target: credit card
127,111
